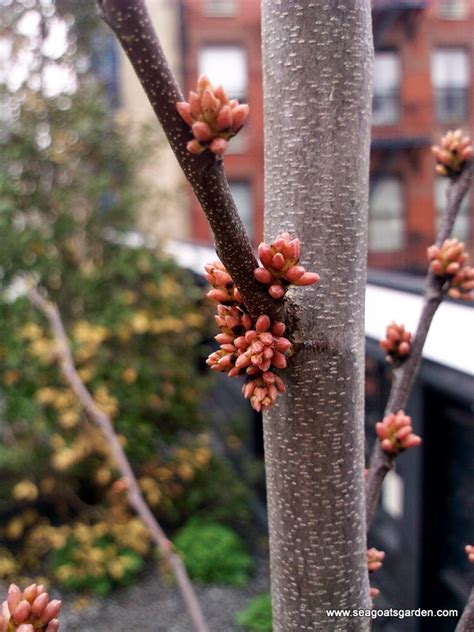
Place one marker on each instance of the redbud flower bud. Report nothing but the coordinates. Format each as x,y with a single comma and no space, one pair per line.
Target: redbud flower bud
453,154
25,627
14,597
22,612
51,611
213,118
395,433
396,343
374,559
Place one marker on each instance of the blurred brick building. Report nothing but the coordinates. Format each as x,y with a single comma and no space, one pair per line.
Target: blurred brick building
423,63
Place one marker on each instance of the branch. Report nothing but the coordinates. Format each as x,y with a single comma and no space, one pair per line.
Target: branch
405,374
131,23
105,425
466,622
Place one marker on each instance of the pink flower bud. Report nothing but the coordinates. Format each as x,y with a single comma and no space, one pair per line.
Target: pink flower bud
209,101
278,329
221,95
276,291
263,323
25,627
242,361
3,624
184,110
194,147
218,295
218,146
203,84
224,118
14,597
30,593
195,108
239,116
263,275
294,273
279,360
202,131
22,611
265,253
53,626
51,611
278,261
40,603
308,278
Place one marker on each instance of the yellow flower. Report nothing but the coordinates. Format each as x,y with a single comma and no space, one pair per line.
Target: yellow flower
25,490
129,375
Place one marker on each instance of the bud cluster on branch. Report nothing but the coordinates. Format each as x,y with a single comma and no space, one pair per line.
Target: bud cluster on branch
29,610
213,118
374,563
395,433
449,263
254,348
453,153
280,266
396,343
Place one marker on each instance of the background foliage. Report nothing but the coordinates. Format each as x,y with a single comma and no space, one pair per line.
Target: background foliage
135,320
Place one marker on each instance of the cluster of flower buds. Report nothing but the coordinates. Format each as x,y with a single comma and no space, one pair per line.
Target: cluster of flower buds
453,154
213,118
29,610
251,349
395,432
374,563
396,343
224,290
374,559
247,347
280,266
469,548
449,262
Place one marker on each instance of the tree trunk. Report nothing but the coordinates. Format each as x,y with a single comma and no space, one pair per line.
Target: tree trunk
317,89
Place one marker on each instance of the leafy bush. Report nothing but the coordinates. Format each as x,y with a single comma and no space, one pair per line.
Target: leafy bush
257,616
213,553
92,558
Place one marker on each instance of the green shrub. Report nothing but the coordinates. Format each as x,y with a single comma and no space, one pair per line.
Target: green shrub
92,562
213,553
257,616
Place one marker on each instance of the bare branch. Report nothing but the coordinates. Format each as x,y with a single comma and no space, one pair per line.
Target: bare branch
405,374
131,23
104,423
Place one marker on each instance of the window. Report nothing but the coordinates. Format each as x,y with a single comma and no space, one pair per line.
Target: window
386,215
461,225
450,77
242,194
386,99
225,65
220,8
452,9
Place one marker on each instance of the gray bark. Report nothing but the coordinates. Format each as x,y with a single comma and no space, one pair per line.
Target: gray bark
317,90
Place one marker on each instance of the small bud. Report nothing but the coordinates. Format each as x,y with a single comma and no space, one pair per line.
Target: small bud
194,147
40,603
239,116
308,278
470,553
184,110
51,611
22,611
218,146
53,626
224,118
276,291
202,131
263,323
14,597
263,275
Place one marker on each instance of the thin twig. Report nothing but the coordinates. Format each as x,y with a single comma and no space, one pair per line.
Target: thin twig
131,23
105,425
404,375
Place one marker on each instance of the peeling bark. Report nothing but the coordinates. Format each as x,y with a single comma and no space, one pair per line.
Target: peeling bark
317,90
